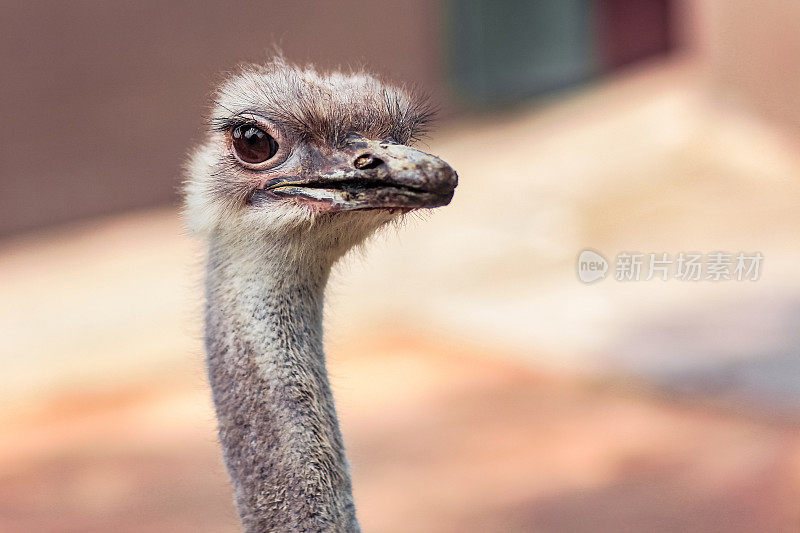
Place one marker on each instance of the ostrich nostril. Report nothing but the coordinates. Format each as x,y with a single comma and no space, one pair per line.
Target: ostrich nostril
367,161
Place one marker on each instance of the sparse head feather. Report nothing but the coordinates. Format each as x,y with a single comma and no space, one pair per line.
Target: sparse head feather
323,108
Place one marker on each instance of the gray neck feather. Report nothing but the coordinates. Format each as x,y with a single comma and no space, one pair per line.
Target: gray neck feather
277,424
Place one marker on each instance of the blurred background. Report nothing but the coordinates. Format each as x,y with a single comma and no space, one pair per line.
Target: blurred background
481,385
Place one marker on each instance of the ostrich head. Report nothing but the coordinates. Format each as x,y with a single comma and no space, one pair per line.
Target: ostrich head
311,164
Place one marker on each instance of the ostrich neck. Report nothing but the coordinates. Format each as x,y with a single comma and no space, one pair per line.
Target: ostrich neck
277,424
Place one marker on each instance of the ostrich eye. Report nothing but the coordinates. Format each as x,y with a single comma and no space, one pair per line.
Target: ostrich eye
252,144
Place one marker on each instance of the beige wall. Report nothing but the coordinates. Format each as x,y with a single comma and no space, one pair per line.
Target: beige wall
750,51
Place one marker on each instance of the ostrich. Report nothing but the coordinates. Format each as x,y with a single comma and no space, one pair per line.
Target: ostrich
298,167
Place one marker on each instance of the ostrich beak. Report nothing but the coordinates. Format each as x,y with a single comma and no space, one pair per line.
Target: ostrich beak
367,174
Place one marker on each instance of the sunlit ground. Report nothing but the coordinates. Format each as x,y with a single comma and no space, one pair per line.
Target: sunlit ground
481,386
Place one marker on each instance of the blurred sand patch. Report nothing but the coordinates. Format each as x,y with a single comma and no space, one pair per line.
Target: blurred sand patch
440,439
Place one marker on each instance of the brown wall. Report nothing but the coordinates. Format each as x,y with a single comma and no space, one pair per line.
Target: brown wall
100,101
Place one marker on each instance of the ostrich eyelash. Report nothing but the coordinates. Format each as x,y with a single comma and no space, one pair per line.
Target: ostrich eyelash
228,123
